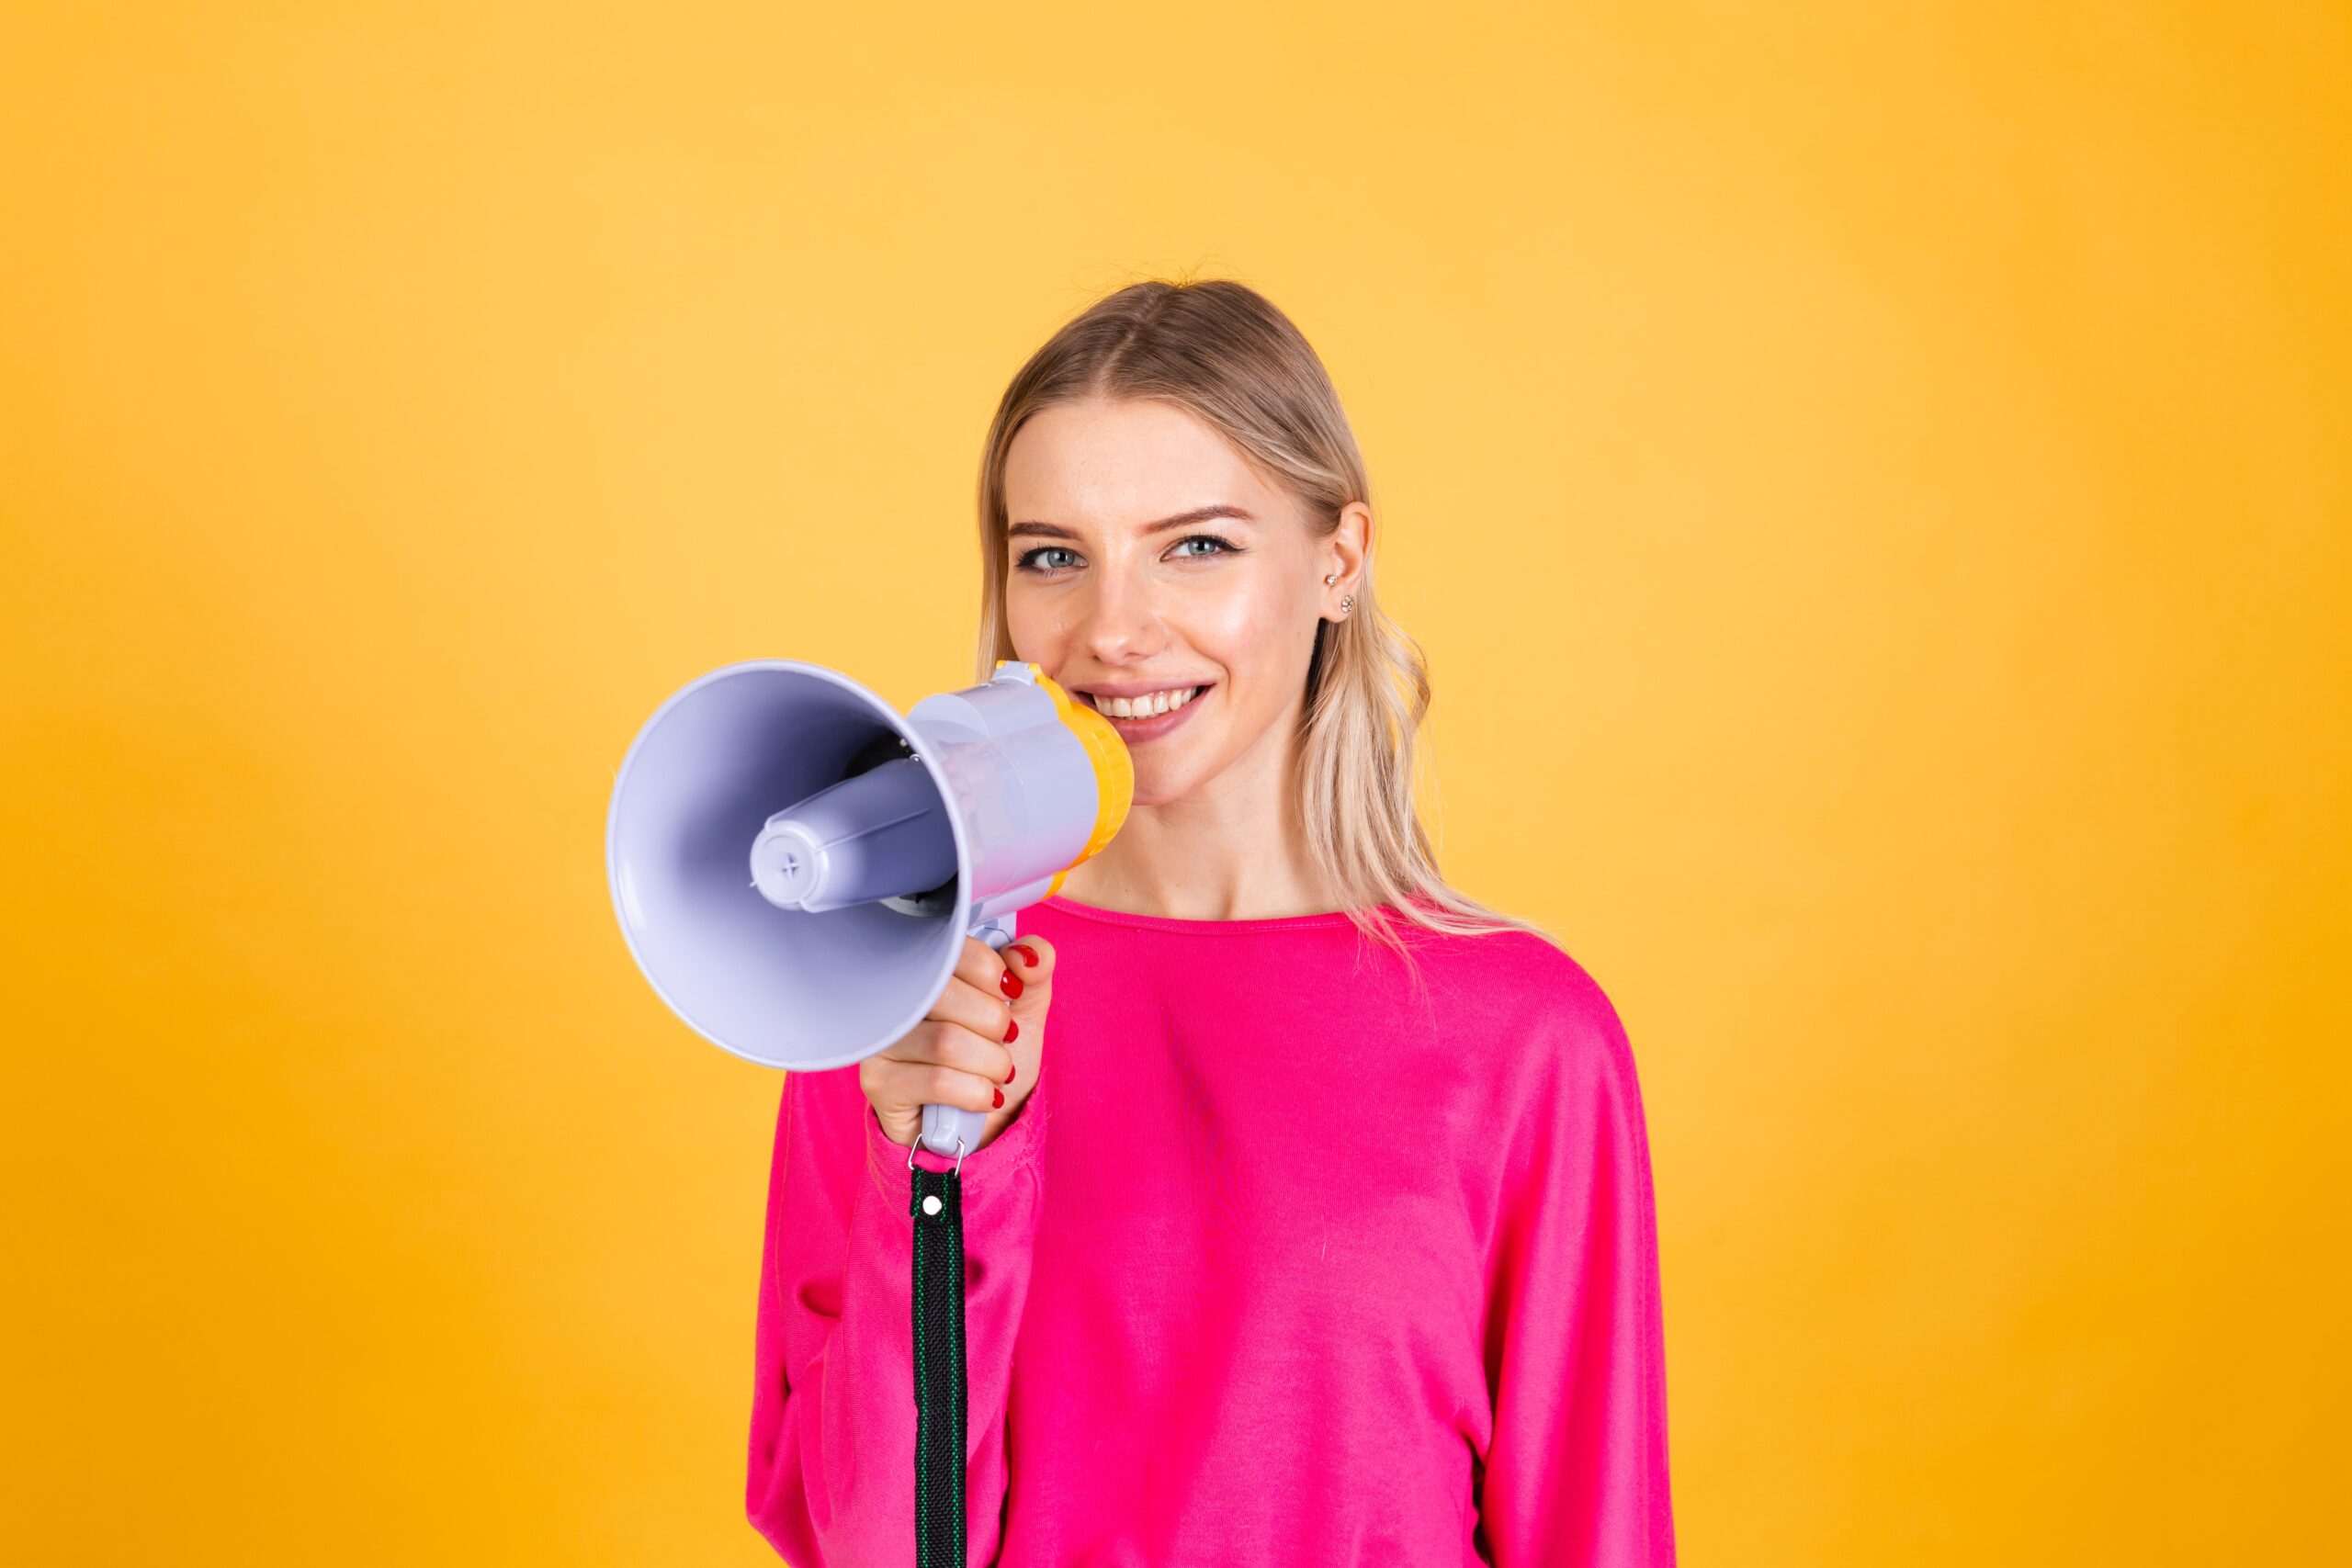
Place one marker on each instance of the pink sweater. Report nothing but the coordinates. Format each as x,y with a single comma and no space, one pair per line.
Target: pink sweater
1280,1264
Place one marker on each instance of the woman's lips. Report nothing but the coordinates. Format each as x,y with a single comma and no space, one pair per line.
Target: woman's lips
1135,731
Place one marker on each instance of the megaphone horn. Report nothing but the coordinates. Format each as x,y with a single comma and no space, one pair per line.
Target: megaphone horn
796,865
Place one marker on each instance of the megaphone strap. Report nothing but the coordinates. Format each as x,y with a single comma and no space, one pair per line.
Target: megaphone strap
937,1204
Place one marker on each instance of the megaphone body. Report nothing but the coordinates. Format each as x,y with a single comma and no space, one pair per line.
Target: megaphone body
796,865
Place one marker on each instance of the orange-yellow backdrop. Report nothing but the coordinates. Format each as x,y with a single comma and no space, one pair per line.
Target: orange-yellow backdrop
1873,481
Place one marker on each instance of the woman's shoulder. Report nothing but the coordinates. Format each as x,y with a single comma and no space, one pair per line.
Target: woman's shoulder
1516,961
1525,989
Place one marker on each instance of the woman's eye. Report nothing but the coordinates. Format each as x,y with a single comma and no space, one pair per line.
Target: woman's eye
1030,562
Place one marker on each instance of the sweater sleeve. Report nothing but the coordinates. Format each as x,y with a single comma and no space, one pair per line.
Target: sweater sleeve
1575,1472
831,1480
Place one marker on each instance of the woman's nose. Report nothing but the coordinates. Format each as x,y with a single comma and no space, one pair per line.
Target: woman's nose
1122,624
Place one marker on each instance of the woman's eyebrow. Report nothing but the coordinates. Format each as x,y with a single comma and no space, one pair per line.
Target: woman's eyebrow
1181,520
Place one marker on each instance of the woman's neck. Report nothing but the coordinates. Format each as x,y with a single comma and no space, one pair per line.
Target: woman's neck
1231,850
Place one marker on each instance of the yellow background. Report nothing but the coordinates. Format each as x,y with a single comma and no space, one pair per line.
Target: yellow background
1873,481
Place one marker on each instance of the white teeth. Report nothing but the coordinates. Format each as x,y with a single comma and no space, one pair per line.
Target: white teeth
1145,706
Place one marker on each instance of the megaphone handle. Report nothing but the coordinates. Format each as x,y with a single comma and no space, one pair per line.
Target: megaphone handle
950,1131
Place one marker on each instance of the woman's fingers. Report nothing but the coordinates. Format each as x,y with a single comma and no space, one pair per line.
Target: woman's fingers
935,1042
960,1054
984,969
1035,965
941,1081
996,994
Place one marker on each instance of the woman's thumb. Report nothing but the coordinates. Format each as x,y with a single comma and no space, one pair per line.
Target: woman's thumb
1030,960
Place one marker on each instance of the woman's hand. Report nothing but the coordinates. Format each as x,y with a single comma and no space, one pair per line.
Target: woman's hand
960,1053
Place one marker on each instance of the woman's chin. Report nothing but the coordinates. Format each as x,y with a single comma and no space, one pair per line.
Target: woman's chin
1163,783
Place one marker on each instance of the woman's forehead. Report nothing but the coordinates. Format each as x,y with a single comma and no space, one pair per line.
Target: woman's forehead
1117,467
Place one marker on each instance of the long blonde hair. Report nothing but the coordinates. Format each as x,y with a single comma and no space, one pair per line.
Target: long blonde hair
1223,352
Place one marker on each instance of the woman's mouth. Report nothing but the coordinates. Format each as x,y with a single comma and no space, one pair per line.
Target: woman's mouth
1138,719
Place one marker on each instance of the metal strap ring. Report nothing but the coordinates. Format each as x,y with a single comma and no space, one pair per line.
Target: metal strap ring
959,1153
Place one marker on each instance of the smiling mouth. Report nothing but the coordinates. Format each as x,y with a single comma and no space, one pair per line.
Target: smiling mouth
1156,705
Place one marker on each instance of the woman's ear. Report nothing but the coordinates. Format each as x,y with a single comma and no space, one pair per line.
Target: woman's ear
1345,549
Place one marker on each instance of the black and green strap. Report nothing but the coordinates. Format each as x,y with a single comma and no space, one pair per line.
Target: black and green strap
937,1206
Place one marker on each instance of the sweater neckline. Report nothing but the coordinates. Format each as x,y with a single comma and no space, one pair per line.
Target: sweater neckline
1171,923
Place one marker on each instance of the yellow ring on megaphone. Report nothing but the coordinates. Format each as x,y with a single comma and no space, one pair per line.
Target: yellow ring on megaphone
1114,769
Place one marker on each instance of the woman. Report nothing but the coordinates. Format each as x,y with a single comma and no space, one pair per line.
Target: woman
1323,1233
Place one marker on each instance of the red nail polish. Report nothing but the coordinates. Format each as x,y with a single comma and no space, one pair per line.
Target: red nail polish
1012,1029
1014,1073
1027,957
1008,983
999,1095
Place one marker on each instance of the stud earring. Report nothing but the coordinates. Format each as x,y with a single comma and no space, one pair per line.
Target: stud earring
1330,577
1347,602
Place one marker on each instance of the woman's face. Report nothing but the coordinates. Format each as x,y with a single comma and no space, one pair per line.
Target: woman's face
1144,555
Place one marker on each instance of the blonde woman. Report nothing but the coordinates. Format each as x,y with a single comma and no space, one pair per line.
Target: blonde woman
1313,1223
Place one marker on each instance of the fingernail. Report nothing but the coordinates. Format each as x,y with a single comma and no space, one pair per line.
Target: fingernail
999,1095
1012,1029
1008,983
1014,1074
1027,957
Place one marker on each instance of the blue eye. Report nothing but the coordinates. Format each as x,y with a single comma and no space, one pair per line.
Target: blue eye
1027,561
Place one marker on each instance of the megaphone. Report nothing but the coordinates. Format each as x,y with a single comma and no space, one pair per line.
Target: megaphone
796,865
